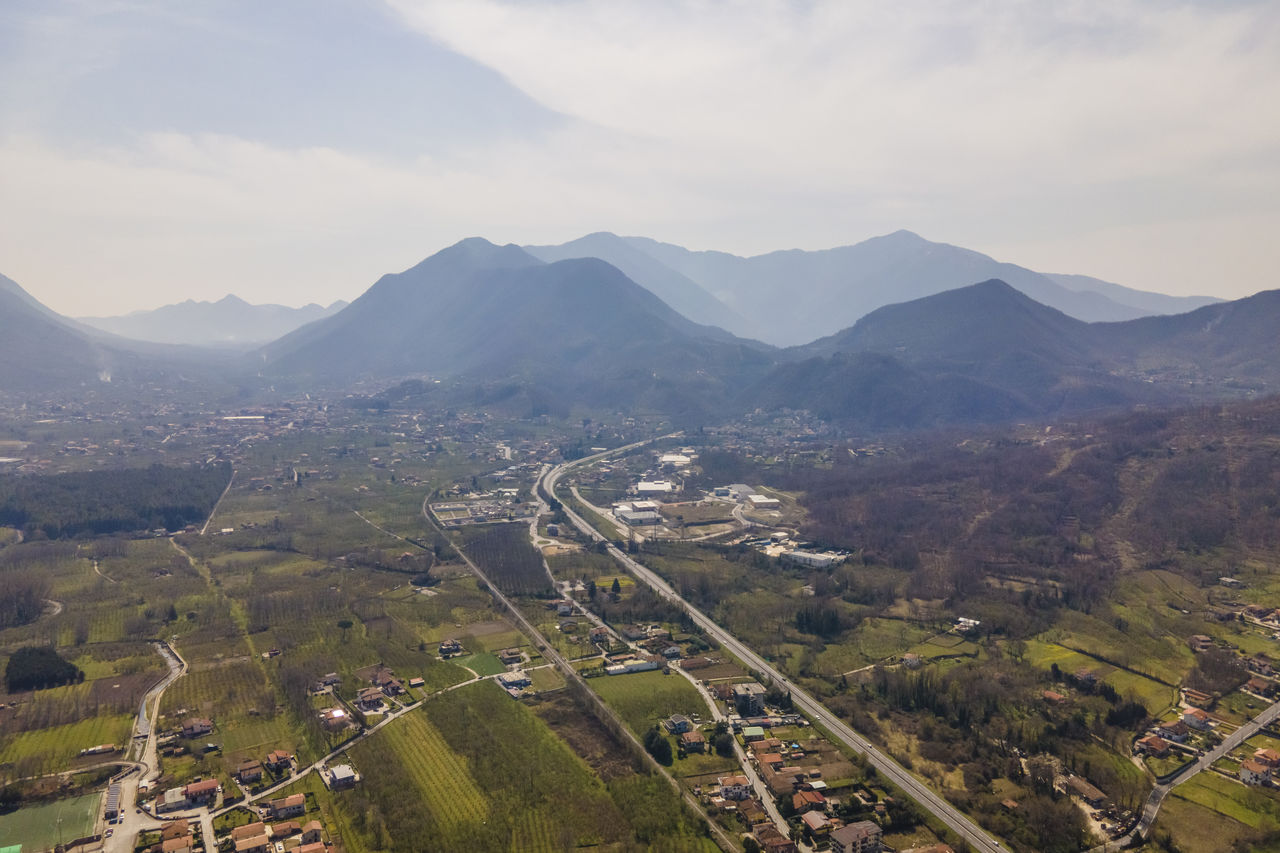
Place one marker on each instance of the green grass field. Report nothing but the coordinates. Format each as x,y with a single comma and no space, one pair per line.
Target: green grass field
480,664
55,747
42,826
644,698
1227,797
1196,829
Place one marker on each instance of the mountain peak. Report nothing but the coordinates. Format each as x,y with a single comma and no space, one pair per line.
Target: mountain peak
478,253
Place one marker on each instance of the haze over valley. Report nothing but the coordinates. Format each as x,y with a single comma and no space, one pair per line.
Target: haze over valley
643,427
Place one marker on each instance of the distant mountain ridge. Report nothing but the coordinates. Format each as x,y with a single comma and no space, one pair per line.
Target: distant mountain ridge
988,352
791,297
40,350
577,330
230,321
494,327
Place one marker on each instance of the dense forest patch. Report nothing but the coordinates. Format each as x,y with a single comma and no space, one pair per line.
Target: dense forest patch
37,667
95,503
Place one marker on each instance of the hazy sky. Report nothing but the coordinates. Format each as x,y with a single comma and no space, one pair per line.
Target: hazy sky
293,150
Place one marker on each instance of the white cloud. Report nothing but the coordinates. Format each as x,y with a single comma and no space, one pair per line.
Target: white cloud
874,94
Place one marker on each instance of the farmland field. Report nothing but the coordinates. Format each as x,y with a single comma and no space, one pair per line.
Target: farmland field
1250,806
53,748
440,776
532,794
1197,829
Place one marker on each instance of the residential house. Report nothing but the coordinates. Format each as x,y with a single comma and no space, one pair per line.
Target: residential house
172,800
1267,756
253,844
1176,731
1261,686
769,744
196,727
693,742
911,660
450,647
369,699
176,845
290,806
248,830
384,678
1153,745
770,760
327,681
511,656
333,719
1198,718
249,771
1254,772
678,724
251,838
1258,611
179,828
861,837
803,801
284,829
772,841
1197,698
417,681
1260,664
278,760
312,832
315,847
817,823
517,679
783,781
202,792
342,777
735,787
751,734
1200,642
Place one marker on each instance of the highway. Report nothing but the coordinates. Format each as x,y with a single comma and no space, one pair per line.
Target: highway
548,651
940,808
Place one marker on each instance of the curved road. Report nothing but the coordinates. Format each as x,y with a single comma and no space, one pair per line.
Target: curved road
940,808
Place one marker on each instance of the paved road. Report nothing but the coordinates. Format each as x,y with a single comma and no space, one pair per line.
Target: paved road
748,768
214,511
131,821
1151,809
940,808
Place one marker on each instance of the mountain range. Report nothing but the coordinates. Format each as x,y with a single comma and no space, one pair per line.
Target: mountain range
229,322
490,325
791,297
